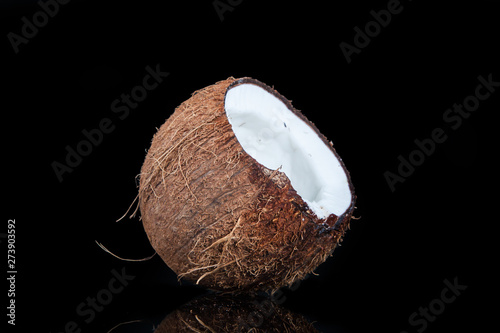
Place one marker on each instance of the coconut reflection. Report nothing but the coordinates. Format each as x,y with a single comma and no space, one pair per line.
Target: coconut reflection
223,313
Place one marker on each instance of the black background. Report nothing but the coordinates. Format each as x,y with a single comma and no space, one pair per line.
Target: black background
436,225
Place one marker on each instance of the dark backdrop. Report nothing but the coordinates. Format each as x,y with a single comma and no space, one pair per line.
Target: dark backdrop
372,95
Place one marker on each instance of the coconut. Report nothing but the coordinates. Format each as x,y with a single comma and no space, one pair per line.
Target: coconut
223,314
239,191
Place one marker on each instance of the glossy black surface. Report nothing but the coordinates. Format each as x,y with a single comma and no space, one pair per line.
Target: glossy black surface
91,77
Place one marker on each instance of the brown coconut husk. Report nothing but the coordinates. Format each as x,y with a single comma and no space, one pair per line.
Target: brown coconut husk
219,218
223,314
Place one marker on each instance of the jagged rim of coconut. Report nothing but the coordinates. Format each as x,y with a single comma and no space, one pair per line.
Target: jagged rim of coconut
278,136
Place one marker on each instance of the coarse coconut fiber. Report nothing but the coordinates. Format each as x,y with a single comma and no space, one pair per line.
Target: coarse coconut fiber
240,192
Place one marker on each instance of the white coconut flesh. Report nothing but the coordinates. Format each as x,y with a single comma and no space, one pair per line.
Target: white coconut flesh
278,139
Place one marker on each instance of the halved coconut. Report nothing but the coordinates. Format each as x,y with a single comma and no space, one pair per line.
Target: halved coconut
240,191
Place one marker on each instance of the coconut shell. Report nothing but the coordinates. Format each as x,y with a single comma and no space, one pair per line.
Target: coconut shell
224,314
219,218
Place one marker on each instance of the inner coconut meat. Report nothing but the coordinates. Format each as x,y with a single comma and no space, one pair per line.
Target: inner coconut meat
277,138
